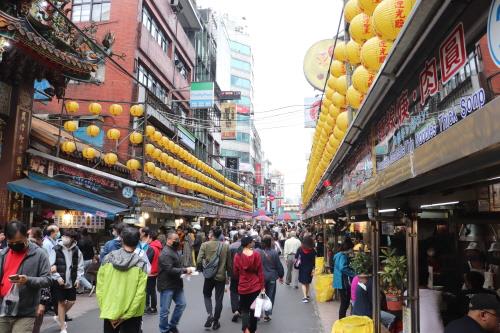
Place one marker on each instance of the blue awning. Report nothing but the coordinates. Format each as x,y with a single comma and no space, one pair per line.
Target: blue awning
63,198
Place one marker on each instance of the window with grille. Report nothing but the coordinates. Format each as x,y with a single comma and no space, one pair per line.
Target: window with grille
91,10
148,79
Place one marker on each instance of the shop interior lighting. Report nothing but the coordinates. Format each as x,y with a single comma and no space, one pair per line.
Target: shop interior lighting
440,204
494,178
145,215
388,210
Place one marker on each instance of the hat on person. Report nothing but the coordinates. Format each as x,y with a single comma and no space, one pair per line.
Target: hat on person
473,246
197,227
484,302
494,247
246,240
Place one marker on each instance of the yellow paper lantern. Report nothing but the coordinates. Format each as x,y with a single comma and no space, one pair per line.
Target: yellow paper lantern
176,149
150,130
362,79
133,164
333,141
68,147
135,138
339,100
170,178
156,154
72,106
170,161
175,180
150,167
351,9
137,110
149,149
341,85
115,109
374,52
343,121
326,103
70,126
164,142
157,136
338,133
163,175
354,98
390,16
338,68
113,134
340,53
95,108
329,92
353,51
110,159
164,158
334,111
361,28
331,82
89,153
368,6
93,130
157,173
171,145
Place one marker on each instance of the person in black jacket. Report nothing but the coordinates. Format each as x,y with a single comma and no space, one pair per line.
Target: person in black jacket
273,270
170,284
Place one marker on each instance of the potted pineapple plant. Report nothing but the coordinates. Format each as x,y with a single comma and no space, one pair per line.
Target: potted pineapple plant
393,278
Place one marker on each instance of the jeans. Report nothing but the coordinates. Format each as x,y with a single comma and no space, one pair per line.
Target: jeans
151,297
271,293
83,280
208,287
166,297
345,300
248,319
235,297
131,325
292,274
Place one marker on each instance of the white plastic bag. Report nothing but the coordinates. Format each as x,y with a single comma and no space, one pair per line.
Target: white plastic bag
268,305
10,302
261,304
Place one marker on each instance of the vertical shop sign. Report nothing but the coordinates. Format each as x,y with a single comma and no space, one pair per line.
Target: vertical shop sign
452,53
202,95
228,121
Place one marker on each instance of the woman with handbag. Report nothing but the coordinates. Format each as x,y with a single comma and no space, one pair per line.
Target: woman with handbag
249,273
305,260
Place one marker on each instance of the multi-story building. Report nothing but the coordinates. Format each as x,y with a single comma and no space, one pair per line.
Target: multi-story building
277,191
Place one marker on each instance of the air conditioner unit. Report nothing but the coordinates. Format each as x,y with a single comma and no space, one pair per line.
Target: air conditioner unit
176,5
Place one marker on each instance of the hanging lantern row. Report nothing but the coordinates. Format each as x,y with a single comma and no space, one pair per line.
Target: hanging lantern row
114,109
373,27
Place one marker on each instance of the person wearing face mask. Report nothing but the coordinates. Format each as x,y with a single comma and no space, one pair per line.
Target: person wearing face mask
115,243
26,266
170,284
69,268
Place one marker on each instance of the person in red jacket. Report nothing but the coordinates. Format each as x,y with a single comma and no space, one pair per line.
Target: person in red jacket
151,298
249,272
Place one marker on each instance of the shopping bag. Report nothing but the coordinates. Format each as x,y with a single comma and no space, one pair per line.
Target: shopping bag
268,305
259,304
353,324
320,265
10,303
323,287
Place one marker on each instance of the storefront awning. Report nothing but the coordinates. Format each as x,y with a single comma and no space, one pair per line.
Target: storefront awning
63,198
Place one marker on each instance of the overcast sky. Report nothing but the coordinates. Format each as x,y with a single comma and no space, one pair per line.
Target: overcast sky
281,32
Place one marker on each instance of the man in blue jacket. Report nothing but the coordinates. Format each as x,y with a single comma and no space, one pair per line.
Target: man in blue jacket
115,243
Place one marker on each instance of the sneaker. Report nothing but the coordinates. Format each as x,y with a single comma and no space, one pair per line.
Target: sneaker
305,300
66,318
147,310
209,322
153,310
64,331
216,325
173,330
267,319
296,287
235,317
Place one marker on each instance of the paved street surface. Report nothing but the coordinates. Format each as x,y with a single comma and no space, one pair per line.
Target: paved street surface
290,314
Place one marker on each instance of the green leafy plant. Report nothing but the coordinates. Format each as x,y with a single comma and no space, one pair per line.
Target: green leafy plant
393,275
361,263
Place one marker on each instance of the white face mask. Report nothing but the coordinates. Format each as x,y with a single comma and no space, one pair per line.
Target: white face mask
66,241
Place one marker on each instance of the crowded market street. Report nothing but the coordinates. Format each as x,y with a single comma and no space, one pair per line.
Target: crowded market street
291,315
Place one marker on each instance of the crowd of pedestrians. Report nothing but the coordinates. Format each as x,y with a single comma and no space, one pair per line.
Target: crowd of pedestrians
42,270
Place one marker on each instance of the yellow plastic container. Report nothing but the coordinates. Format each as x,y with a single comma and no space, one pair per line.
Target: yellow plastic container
353,324
323,287
320,263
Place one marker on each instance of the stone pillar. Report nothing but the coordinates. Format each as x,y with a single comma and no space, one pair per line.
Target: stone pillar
15,142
